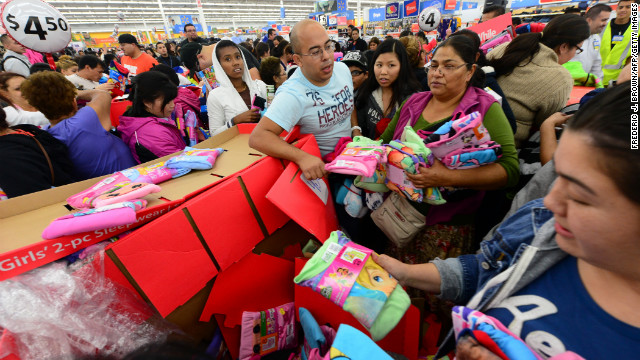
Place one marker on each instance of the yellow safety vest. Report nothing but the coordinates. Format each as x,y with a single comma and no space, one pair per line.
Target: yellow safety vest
613,60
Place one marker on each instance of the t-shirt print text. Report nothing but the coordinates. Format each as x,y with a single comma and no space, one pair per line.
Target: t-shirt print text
337,111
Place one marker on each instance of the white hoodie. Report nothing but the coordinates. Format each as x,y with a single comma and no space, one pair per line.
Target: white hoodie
224,102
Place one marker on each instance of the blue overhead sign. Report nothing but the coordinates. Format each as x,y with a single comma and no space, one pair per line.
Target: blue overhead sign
376,14
392,11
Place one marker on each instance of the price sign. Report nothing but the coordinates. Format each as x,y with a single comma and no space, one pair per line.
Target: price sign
429,18
35,25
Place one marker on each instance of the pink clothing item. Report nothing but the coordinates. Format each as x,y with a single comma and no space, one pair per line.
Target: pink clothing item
160,136
264,332
342,143
34,57
94,219
358,161
123,193
474,99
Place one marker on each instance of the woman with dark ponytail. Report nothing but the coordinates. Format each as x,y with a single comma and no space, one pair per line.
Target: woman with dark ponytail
530,71
456,90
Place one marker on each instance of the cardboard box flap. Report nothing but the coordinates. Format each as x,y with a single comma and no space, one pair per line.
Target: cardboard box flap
226,221
167,261
312,205
255,283
257,180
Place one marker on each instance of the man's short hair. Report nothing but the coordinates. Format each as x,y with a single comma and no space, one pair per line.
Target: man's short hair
632,1
405,33
4,39
355,29
92,61
596,9
270,31
186,26
497,9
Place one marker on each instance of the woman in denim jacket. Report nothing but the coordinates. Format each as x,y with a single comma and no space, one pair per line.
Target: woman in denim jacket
562,273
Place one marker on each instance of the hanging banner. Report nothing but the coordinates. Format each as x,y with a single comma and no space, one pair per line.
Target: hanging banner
450,4
333,20
469,5
392,11
411,8
491,28
376,14
341,5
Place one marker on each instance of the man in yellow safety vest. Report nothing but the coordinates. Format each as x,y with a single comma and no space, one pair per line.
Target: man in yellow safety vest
615,48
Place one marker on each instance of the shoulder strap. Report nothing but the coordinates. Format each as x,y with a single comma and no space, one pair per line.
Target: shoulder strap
14,57
46,156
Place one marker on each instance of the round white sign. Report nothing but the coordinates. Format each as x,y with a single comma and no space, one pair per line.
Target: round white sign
36,25
429,18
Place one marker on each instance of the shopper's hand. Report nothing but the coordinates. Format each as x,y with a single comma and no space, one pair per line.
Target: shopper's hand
355,133
396,268
312,167
105,86
434,176
554,120
249,116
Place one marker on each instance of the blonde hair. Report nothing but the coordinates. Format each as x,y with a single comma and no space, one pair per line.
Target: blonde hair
65,64
413,49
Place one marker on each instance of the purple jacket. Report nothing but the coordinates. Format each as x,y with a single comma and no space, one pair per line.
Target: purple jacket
160,136
474,99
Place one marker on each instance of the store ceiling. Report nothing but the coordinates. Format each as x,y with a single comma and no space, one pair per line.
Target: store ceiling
98,14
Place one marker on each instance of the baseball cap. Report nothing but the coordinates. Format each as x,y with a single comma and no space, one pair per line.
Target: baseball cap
189,54
127,39
355,58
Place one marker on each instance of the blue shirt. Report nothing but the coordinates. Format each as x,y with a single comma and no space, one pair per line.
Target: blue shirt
555,314
92,150
322,111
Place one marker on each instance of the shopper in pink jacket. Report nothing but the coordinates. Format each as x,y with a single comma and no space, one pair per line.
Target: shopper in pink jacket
147,127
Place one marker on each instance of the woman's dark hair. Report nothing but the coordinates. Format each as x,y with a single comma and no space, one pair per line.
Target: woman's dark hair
261,49
405,84
568,29
279,38
149,86
466,49
5,76
168,46
338,47
225,44
374,40
3,116
165,69
270,67
605,120
475,38
279,50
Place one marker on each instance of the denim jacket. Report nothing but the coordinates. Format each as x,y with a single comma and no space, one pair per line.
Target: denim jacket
521,250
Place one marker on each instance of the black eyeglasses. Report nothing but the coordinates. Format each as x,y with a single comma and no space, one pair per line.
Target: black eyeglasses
579,50
356,72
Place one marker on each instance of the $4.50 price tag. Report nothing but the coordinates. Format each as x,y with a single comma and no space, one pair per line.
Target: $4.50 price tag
36,25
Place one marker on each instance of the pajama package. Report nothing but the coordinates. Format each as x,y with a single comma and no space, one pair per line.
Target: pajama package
406,156
463,143
196,159
360,157
264,332
123,213
345,273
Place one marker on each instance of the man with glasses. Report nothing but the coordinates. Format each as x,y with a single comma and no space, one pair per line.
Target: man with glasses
191,35
318,97
590,59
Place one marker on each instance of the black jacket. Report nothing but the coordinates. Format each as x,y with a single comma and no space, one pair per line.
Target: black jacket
357,45
170,61
198,40
23,166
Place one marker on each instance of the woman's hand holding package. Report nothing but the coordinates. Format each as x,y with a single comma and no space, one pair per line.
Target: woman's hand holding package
435,176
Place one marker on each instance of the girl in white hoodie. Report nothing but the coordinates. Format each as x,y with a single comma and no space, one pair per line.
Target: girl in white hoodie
230,103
